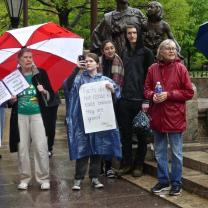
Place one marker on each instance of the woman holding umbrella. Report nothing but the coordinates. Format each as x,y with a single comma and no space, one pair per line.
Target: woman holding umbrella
27,122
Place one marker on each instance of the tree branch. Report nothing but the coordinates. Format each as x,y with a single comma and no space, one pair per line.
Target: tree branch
45,3
81,11
45,10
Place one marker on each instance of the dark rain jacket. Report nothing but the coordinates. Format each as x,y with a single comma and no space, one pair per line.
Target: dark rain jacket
135,70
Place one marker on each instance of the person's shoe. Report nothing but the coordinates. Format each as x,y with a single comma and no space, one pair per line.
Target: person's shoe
175,190
138,171
45,186
160,187
50,154
124,170
76,185
96,183
22,186
110,173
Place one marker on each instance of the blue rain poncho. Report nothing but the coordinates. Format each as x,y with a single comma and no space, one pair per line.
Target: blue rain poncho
81,144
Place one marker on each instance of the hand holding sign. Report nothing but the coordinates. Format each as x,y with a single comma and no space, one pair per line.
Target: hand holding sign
110,87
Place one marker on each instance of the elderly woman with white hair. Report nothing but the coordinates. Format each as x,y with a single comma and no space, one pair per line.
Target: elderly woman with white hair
168,113
28,121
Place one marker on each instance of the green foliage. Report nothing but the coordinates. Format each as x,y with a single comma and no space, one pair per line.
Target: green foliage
4,18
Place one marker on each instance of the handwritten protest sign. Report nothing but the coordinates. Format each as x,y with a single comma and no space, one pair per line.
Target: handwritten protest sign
12,84
97,107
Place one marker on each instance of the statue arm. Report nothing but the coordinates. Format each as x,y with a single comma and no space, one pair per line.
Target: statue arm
101,32
170,35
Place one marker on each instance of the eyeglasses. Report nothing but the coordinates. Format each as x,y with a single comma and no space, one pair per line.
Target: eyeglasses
170,48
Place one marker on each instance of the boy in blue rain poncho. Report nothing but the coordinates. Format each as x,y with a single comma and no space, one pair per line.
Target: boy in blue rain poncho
93,146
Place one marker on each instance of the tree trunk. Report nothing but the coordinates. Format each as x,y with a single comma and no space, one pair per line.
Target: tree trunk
63,17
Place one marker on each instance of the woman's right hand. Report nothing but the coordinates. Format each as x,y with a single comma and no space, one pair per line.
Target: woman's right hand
81,64
159,98
13,99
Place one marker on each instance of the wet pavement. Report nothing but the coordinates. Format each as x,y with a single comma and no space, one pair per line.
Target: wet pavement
116,192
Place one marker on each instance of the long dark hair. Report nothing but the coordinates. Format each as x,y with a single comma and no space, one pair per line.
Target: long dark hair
104,43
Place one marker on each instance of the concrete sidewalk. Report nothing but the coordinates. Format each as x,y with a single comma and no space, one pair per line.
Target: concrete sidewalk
116,193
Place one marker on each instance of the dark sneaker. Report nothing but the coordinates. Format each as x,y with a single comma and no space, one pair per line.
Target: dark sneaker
175,190
96,183
160,187
110,174
138,171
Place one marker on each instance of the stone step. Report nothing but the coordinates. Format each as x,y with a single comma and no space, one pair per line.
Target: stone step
193,181
197,160
187,147
185,200
195,146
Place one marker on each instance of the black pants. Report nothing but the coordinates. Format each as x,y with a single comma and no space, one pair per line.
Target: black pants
106,163
127,111
82,164
51,113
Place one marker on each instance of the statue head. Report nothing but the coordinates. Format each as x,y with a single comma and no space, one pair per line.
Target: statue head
154,11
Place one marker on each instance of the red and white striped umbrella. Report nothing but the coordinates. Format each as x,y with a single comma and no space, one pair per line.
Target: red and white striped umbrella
54,49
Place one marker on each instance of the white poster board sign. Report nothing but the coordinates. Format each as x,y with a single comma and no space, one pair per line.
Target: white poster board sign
15,82
4,93
12,84
97,107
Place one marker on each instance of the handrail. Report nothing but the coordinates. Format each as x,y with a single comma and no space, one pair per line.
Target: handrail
198,74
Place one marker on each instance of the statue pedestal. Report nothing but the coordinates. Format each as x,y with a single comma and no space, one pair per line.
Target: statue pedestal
191,133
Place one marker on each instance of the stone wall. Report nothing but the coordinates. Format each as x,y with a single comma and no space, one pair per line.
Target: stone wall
202,87
202,94
191,134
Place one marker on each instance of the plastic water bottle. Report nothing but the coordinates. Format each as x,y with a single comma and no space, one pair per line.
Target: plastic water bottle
158,88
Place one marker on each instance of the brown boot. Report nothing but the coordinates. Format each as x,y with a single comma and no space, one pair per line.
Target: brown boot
138,171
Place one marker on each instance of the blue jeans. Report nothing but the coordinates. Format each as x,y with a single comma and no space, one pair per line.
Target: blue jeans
161,154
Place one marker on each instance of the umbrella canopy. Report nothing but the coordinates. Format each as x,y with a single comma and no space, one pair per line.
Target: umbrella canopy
201,41
54,49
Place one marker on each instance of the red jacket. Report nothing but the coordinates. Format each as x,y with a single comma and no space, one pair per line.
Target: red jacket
170,115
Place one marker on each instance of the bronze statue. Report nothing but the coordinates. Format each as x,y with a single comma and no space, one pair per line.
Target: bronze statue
155,28
112,27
